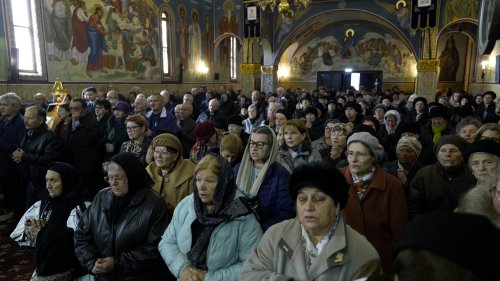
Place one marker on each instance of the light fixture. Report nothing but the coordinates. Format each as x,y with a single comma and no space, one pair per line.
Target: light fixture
348,70
284,7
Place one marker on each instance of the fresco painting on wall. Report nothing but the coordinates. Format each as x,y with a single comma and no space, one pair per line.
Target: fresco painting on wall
228,22
453,10
102,40
452,49
372,51
4,55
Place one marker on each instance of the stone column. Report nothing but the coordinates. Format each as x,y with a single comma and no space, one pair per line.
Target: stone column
250,79
269,78
427,78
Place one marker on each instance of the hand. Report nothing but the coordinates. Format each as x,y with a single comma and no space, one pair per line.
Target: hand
192,273
17,154
103,265
33,226
109,147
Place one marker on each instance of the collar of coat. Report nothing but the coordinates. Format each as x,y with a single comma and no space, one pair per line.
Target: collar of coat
378,181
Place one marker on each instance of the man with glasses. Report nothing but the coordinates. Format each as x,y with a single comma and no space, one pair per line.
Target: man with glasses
80,144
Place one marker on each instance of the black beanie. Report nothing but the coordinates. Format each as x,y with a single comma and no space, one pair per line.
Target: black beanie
486,146
313,175
469,240
135,171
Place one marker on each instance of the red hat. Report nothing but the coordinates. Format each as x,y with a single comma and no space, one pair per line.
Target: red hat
204,131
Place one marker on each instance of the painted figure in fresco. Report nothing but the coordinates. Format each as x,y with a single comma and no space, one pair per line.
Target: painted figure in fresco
61,22
96,33
458,9
347,49
207,35
227,24
80,44
402,13
48,28
194,39
449,61
182,35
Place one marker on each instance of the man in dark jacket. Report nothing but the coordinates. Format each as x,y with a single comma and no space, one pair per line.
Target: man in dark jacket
486,110
11,135
38,149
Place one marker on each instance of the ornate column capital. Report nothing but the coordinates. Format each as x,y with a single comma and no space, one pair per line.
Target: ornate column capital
269,69
250,68
427,65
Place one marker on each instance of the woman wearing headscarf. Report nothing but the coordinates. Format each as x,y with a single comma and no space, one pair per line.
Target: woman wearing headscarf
50,222
206,139
264,179
170,173
317,244
212,231
376,206
117,238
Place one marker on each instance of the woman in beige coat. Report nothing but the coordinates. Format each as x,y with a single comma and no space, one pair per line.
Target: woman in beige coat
317,244
171,173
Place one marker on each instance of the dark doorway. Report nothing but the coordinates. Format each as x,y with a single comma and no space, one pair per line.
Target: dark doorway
341,80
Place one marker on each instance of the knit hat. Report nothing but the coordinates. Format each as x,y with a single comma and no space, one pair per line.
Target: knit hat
380,106
458,237
411,143
204,131
486,146
311,110
370,141
167,140
235,120
121,105
354,105
451,139
438,111
313,175
134,169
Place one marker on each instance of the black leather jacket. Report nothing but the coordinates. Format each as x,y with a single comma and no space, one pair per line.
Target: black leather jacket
132,240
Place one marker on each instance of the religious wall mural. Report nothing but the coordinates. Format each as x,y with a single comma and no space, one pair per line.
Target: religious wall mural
452,10
4,55
452,50
362,51
102,40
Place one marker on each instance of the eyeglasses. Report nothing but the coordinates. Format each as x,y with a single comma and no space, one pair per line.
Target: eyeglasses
359,155
490,139
132,128
163,153
117,179
258,144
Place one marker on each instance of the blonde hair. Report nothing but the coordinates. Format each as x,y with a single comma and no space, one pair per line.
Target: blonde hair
209,162
231,144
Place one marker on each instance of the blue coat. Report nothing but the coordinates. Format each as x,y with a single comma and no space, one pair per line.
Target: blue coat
274,203
229,246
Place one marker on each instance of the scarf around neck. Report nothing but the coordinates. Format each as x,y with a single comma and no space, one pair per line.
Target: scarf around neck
436,131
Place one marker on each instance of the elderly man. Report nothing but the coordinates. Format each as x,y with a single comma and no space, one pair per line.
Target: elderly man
185,127
433,182
40,100
167,100
113,97
486,110
141,105
159,119
212,113
38,149
12,133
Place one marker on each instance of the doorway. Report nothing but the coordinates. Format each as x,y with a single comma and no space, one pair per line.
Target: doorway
342,80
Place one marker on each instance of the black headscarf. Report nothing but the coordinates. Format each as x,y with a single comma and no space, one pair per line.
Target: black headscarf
225,209
73,194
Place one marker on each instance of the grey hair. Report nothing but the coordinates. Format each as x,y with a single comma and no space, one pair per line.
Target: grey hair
12,99
468,121
113,166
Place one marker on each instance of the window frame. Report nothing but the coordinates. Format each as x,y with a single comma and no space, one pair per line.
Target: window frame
172,75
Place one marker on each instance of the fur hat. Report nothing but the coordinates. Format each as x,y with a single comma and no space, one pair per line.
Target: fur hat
410,142
235,120
451,139
486,146
422,99
313,175
370,141
167,140
458,237
204,131
311,110
354,105
121,105
409,127
438,111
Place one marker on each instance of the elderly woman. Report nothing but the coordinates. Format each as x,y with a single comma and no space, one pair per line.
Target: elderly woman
317,244
118,236
406,165
376,206
170,173
334,154
231,148
49,223
296,148
264,179
116,132
467,128
212,231
137,130
253,120
206,138
324,141
387,133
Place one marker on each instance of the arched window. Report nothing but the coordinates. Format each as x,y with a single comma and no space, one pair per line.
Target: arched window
233,58
23,36
167,50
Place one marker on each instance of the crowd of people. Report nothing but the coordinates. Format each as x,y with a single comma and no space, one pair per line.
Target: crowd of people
218,185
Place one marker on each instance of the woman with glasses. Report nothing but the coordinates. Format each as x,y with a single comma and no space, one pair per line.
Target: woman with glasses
117,237
324,141
263,179
170,173
296,148
376,206
137,131
212,231
334,154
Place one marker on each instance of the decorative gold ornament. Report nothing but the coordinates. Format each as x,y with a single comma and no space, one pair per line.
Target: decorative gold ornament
427,65
250,68
268,69
58,91
284,7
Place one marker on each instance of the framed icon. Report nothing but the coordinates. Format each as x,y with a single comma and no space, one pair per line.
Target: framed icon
252,13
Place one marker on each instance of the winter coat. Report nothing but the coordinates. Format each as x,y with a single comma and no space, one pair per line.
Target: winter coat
229,246
380,215
12,133
132,239
306,155
280,256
